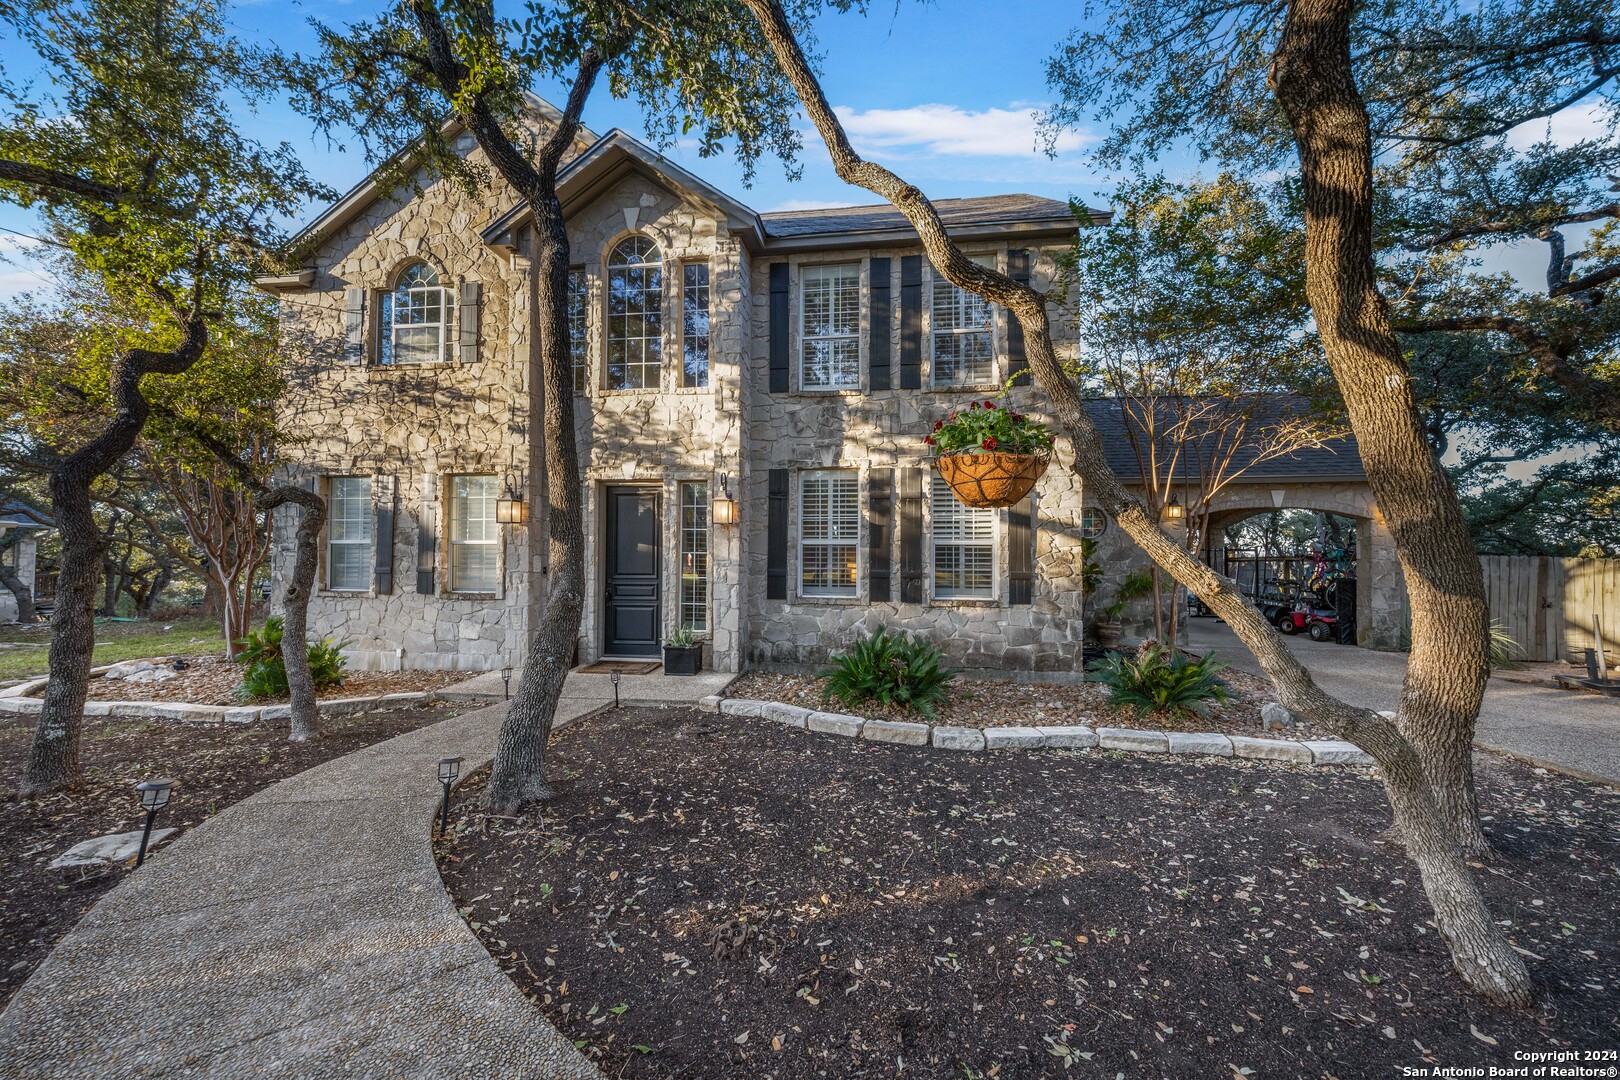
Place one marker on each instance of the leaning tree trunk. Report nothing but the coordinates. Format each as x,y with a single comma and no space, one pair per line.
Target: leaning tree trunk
13,583
295,620
1480,954
1450,659
53,760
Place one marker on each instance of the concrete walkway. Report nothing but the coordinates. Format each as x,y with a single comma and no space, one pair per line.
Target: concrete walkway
1578,734
303,932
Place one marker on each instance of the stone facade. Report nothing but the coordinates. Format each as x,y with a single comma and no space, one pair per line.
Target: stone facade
25,552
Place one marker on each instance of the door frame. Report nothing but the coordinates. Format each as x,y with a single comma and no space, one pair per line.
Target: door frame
656,490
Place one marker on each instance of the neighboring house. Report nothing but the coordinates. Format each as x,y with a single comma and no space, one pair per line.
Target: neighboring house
782,366
18,561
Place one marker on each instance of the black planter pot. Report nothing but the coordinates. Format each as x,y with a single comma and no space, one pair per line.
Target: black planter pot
687,660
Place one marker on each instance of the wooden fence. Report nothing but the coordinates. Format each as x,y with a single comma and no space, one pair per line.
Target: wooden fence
1550,605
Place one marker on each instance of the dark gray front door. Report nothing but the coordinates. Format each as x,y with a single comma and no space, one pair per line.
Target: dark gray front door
630,597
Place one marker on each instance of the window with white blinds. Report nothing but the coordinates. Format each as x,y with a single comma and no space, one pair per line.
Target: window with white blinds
829,532
474,535
964,547
348,532
830,329
963,349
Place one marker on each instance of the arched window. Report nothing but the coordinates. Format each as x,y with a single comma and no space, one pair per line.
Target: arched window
635,315
414,327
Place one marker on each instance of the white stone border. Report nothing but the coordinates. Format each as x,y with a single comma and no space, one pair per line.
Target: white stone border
225,714
1068,737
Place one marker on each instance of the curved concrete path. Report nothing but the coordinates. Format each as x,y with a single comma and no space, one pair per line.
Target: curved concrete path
303,932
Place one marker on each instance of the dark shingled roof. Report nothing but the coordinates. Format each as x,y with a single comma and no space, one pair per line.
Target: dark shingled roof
19,512
1336,459
956,213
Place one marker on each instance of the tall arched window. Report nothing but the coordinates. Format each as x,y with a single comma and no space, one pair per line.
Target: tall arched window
414,327
635,315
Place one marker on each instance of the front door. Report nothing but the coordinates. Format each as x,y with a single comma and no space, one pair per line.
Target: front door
630,618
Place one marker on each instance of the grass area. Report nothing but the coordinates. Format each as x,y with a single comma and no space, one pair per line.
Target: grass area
24,649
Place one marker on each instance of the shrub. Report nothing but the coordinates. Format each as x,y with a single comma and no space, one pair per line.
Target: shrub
988,428
1165,680
265,673
681,638
894,669
1505,651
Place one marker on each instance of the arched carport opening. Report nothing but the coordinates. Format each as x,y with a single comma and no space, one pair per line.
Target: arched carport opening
1297,565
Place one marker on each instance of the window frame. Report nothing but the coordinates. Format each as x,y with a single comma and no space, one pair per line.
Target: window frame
368,518
938,282
689,270
579,328
940,492
831,542
693,495
653,343
851,337
386,337
452,585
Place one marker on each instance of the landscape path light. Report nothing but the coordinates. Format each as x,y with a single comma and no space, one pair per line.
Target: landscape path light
506,681
614,678
154,797
449,769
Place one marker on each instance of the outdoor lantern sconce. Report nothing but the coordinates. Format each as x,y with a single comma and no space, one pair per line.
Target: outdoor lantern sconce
1173,510
154,797
449,769
511,510
724,510
614,678
506,680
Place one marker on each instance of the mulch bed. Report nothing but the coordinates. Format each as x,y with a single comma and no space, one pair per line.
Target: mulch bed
717,897
214,766
996,703
212,680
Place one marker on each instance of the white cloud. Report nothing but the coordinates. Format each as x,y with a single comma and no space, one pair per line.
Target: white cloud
950,130
1565,128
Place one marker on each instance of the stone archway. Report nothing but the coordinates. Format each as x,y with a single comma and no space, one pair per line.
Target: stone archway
1380,588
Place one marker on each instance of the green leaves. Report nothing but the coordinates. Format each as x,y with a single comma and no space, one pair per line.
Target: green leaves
265,673
983,425
1160,679
892,669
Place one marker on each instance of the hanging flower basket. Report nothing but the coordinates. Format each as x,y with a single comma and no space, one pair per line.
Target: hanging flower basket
989,479
990,456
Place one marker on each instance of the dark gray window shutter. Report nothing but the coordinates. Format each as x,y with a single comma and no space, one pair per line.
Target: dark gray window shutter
354,326
779,328
1017,362
1021,552
776,535
879,508
911,323
911,536
427,549
472,296
382,535
878,325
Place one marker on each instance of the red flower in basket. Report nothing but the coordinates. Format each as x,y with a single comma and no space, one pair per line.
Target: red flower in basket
929,439
989,444
939,424
989,404
973,404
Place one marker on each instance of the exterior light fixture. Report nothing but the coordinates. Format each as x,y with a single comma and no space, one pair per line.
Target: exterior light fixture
614,678
511,510
1173,510
154,797
449,769
506,680
724,509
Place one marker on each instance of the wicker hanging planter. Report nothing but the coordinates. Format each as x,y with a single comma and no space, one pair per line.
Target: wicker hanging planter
991,479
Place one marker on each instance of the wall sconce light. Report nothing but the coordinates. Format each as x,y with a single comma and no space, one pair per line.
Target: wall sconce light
511,510
1173,510
154,797
724,510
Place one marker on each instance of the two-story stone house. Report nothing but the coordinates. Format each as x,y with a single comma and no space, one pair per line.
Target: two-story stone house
751,395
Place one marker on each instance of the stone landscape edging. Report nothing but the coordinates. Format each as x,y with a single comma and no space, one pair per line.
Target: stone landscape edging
1066,736
226,714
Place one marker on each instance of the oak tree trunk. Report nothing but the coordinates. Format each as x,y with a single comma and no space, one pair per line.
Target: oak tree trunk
295,617
1450,657
14,584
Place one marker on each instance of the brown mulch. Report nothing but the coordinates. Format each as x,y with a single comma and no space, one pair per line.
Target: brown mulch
214,766
212,680
997,703
718,897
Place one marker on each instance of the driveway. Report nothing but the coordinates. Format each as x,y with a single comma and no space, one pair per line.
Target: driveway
1578,734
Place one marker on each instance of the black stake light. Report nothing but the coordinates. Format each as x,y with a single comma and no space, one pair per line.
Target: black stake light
449,769
506,680
615,680
154,797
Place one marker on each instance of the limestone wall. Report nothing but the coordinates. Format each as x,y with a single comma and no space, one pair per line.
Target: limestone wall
26,554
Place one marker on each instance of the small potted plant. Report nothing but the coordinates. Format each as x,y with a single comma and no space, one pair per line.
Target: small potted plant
990,455
683,654
1137,584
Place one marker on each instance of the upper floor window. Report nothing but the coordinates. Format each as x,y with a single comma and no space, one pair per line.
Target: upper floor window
964,547
474,535
635,315
579,343
829,530
830,334
695,324
415,318
961,338
348,532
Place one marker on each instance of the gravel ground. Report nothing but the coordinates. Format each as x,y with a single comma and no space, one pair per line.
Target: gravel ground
212,680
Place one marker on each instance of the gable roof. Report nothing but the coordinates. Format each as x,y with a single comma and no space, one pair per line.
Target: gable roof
618,154
1335,459
17,514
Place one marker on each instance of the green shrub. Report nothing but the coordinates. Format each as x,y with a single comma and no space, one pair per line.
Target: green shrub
1505,651
265,673
894,669
1158,679
681,638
